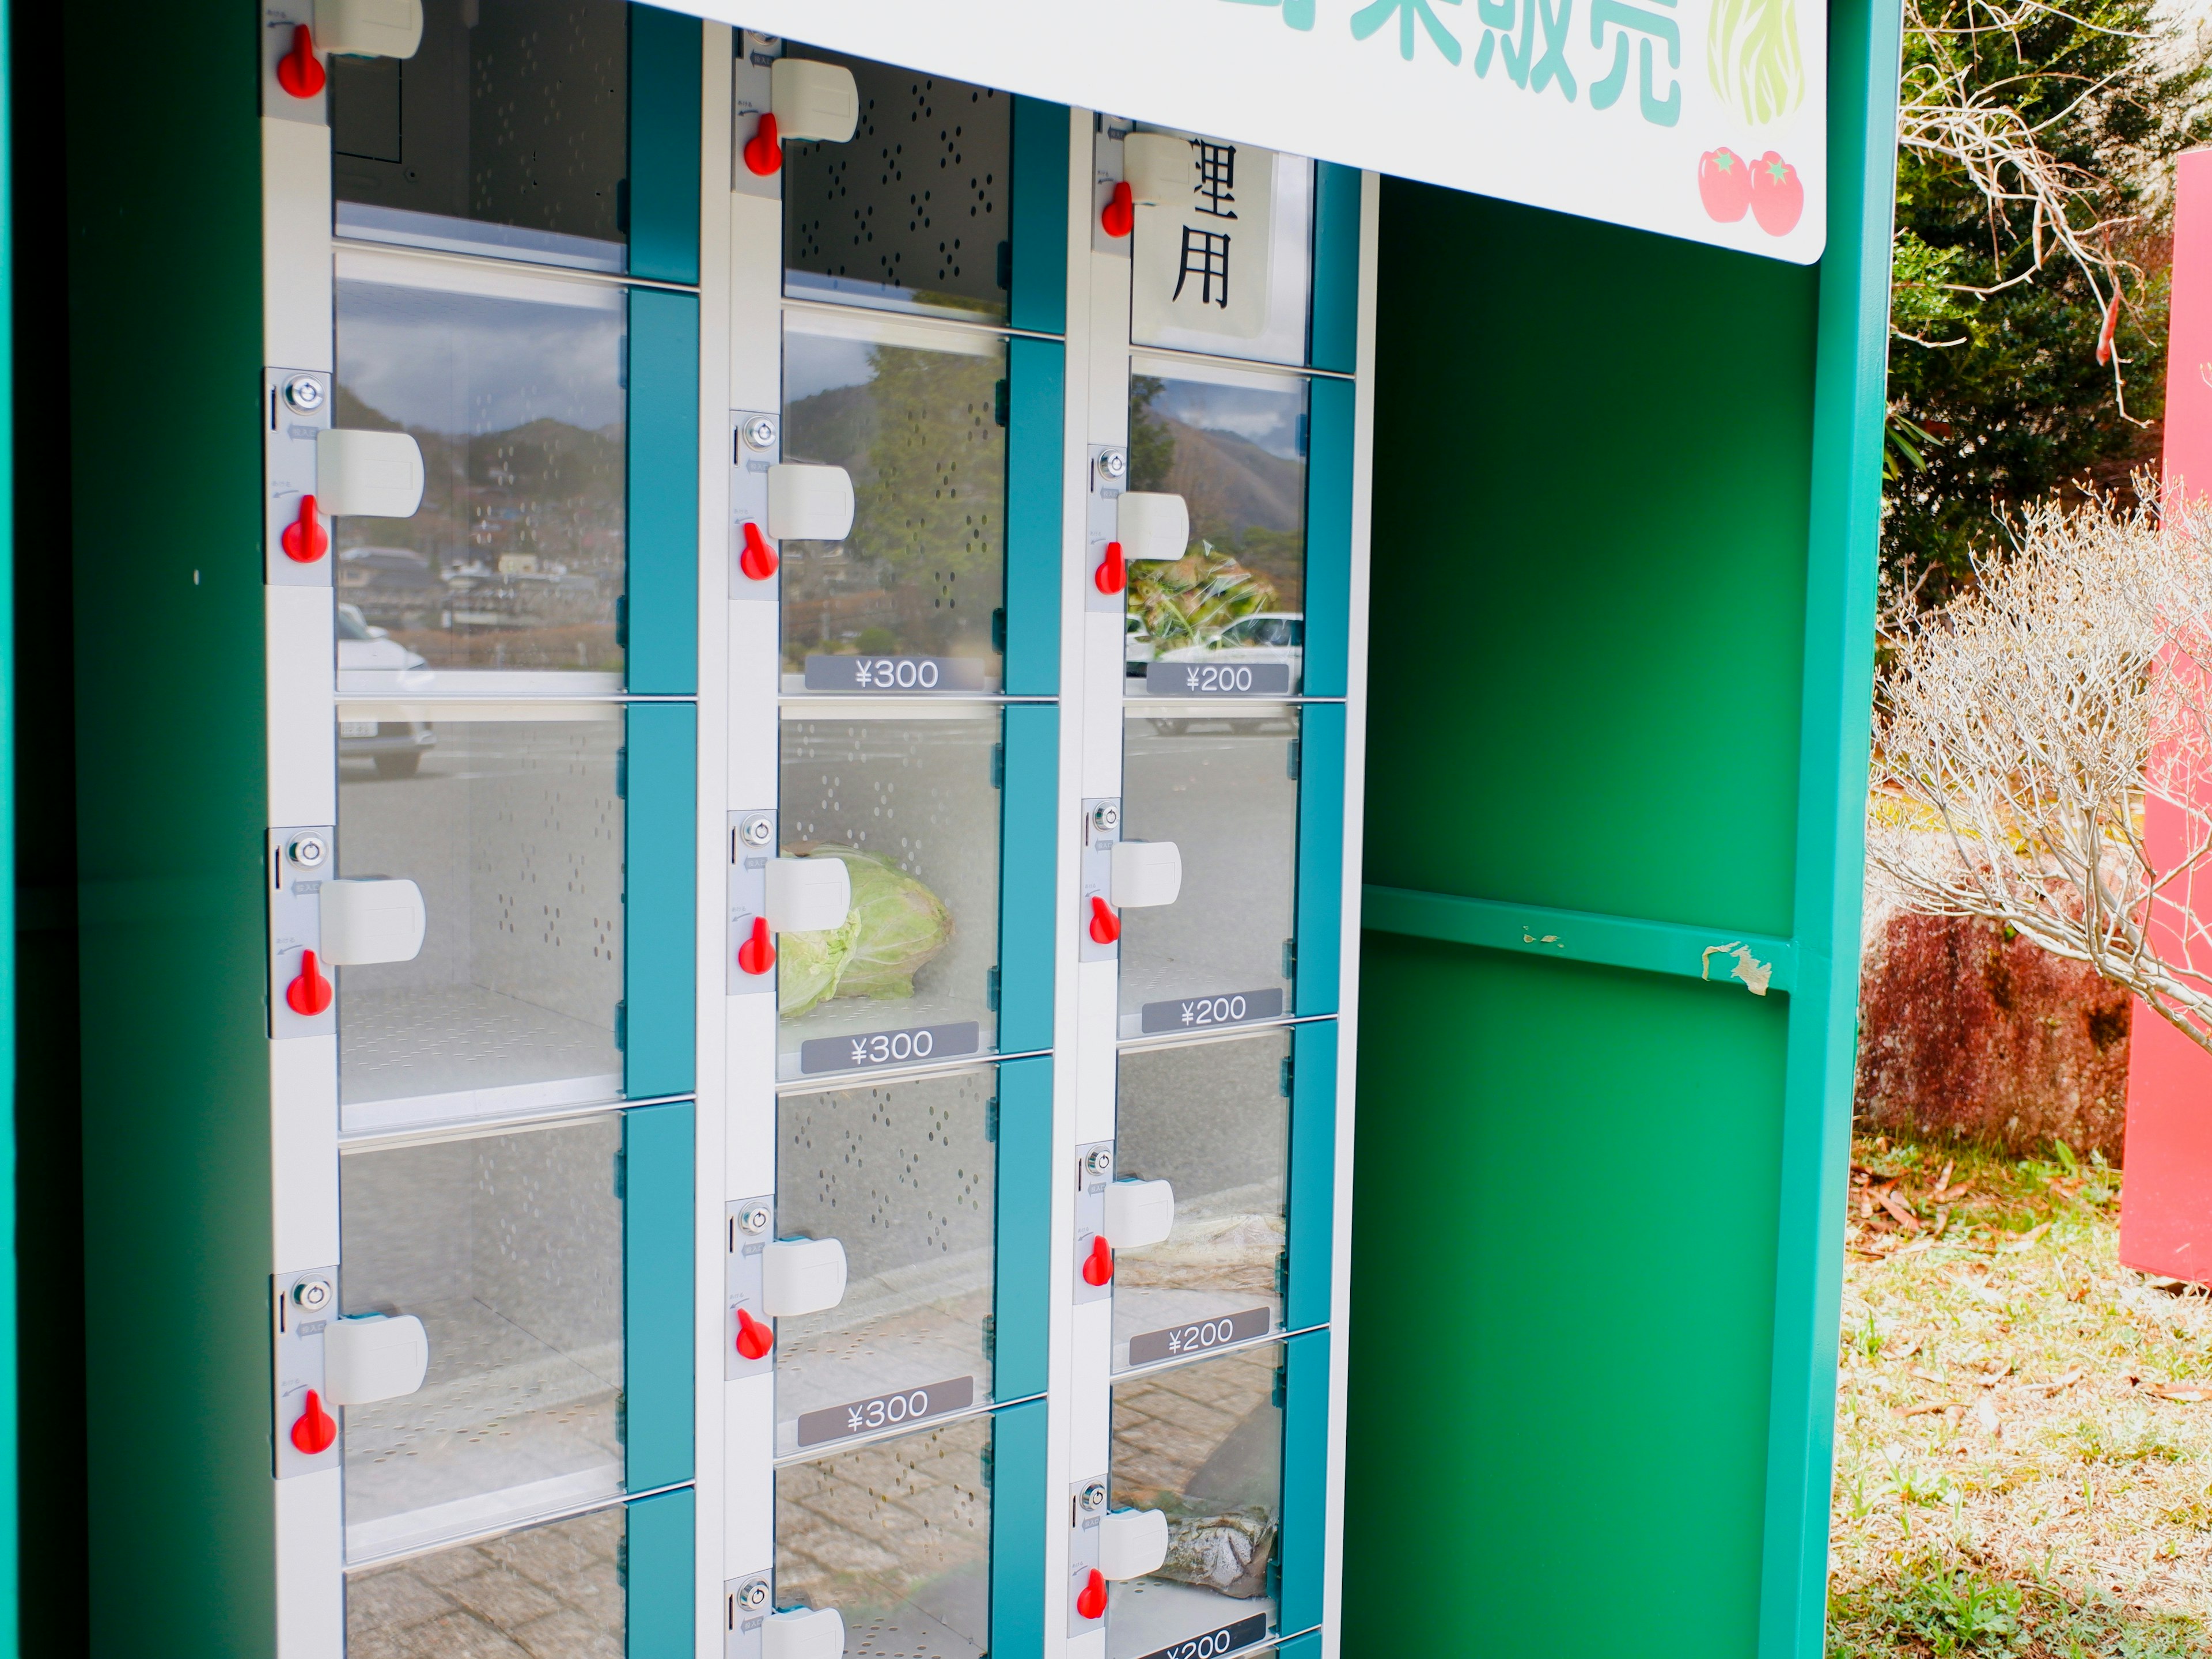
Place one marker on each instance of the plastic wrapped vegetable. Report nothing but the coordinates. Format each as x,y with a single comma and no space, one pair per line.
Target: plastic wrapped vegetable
895,927
809,965
1226,1554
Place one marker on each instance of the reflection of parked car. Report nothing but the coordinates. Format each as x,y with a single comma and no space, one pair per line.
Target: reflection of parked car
1263,636
396,746
1137,646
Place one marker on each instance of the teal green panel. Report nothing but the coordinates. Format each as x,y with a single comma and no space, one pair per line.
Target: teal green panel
657,1313
1321,857
661,606
660,1563
660,786
1039,213
1028,903
1037,377
1603,506
169,833
1329,537
1022,1516
1305,1478
1335,333
665,64
8,1523
1023,1301
1494,1314
1312,1241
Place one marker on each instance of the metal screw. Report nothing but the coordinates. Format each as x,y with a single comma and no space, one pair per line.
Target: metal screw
309,851
760,433
1094,1496
1114,463
304,394
1106,814
754,1594
1098,1160
312,1295
757,830
753,1218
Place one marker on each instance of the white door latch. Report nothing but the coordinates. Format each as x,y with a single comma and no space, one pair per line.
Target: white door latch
814,100
368,474
1153,526
802,1276
375,1357
804,1633
1132,1543
808,503
369,29
808,895
1138,1213
369,921
1146,873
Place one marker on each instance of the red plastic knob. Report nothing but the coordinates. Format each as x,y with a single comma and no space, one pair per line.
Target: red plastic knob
310,993
764,154
1098,1266
1090,1600
756,955
1119,217
758,561
314,1428
1105,925
754,1337
304,539
1113,575
297,70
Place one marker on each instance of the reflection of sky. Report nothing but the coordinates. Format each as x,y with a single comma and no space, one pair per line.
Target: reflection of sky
816,363
462,364
1268,418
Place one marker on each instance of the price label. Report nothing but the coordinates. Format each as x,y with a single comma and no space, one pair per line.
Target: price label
1225,1639
894,674
1199,1335
1206,679
886,1411
873,1049
1226,1008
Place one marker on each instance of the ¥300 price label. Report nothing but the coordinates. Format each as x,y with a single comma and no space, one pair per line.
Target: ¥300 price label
874,1049
894,674
1225,1639
1195,1013
1197,1335
886,1411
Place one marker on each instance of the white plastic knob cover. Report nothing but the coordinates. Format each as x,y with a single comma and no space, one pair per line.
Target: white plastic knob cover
378,920
369,29
1153,526
1146,873
1132,1543
377,1357
802,1276
808,895
804,1633
813,100
1138,1213
368,475
1156,168
809,503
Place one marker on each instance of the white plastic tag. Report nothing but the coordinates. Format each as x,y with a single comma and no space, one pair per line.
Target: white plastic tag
378,1357
1138,1213
368,474
802,1276
813,100
808,895
1132,1543
1154,526
804,1633
369,29
1157,166
809,503
1146,873
376,921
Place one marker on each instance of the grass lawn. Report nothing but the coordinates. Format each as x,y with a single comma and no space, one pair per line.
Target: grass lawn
2023,1426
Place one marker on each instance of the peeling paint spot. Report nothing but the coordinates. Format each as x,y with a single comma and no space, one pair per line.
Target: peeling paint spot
1552,939
1755,974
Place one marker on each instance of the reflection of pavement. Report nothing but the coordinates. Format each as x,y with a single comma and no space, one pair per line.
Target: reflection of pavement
551,1593
1226,798
436,1053
896,1536
899,1337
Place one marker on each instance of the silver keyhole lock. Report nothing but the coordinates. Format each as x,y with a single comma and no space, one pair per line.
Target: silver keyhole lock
308,852
1098,1160
1094,1497
312,1295
756,831
753,1218
760,433
304,394
1114,463
753,1595
1106,816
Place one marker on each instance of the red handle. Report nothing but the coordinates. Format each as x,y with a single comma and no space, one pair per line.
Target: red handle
754,1339
305,540
310,993
1098,1266
297,70
758,561
756,955
1090,1600
1113,575
764,154
1105,925
1119,217
314,1429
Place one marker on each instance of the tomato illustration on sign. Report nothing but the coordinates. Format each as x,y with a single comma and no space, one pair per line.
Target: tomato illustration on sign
1778,194
1724,184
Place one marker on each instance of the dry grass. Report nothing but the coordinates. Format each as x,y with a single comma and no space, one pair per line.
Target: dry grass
2024,1427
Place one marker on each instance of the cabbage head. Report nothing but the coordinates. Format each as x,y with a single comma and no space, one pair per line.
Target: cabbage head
895,926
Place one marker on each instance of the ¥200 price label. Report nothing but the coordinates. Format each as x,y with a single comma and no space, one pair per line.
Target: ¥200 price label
1224,1638
1198,1336
1222,1008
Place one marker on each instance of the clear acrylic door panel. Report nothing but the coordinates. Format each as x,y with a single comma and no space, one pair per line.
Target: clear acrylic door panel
1212,1119
910,807
912,214
507,133
907,602
1229,617
1202,1442
512,383
1226,267
550,1592
1218,782
509,1249
903,1174
896,1536
513,831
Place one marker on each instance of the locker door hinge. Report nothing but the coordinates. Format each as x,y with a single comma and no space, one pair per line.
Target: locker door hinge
999,629
991,1117
1007,266
985,1460
1291,766
998,402
621,773
622,622
1282,1273
621,1419
991,1337
622,1027
621,1175
991,1001
997,766
1288,1074
621,1560
1290,958
1282,1383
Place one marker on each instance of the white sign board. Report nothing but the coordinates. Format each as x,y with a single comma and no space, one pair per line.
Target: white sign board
1698,118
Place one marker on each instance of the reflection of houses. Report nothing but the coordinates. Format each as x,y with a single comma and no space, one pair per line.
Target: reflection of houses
396,588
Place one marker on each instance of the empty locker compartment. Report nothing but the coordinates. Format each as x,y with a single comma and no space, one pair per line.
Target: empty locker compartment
910,806
1201,1443
1212,1121
556,1591
893,1537
509,1248
903,1175
1220,782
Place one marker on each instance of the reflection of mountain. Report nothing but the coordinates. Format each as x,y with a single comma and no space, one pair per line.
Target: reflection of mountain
1231,484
